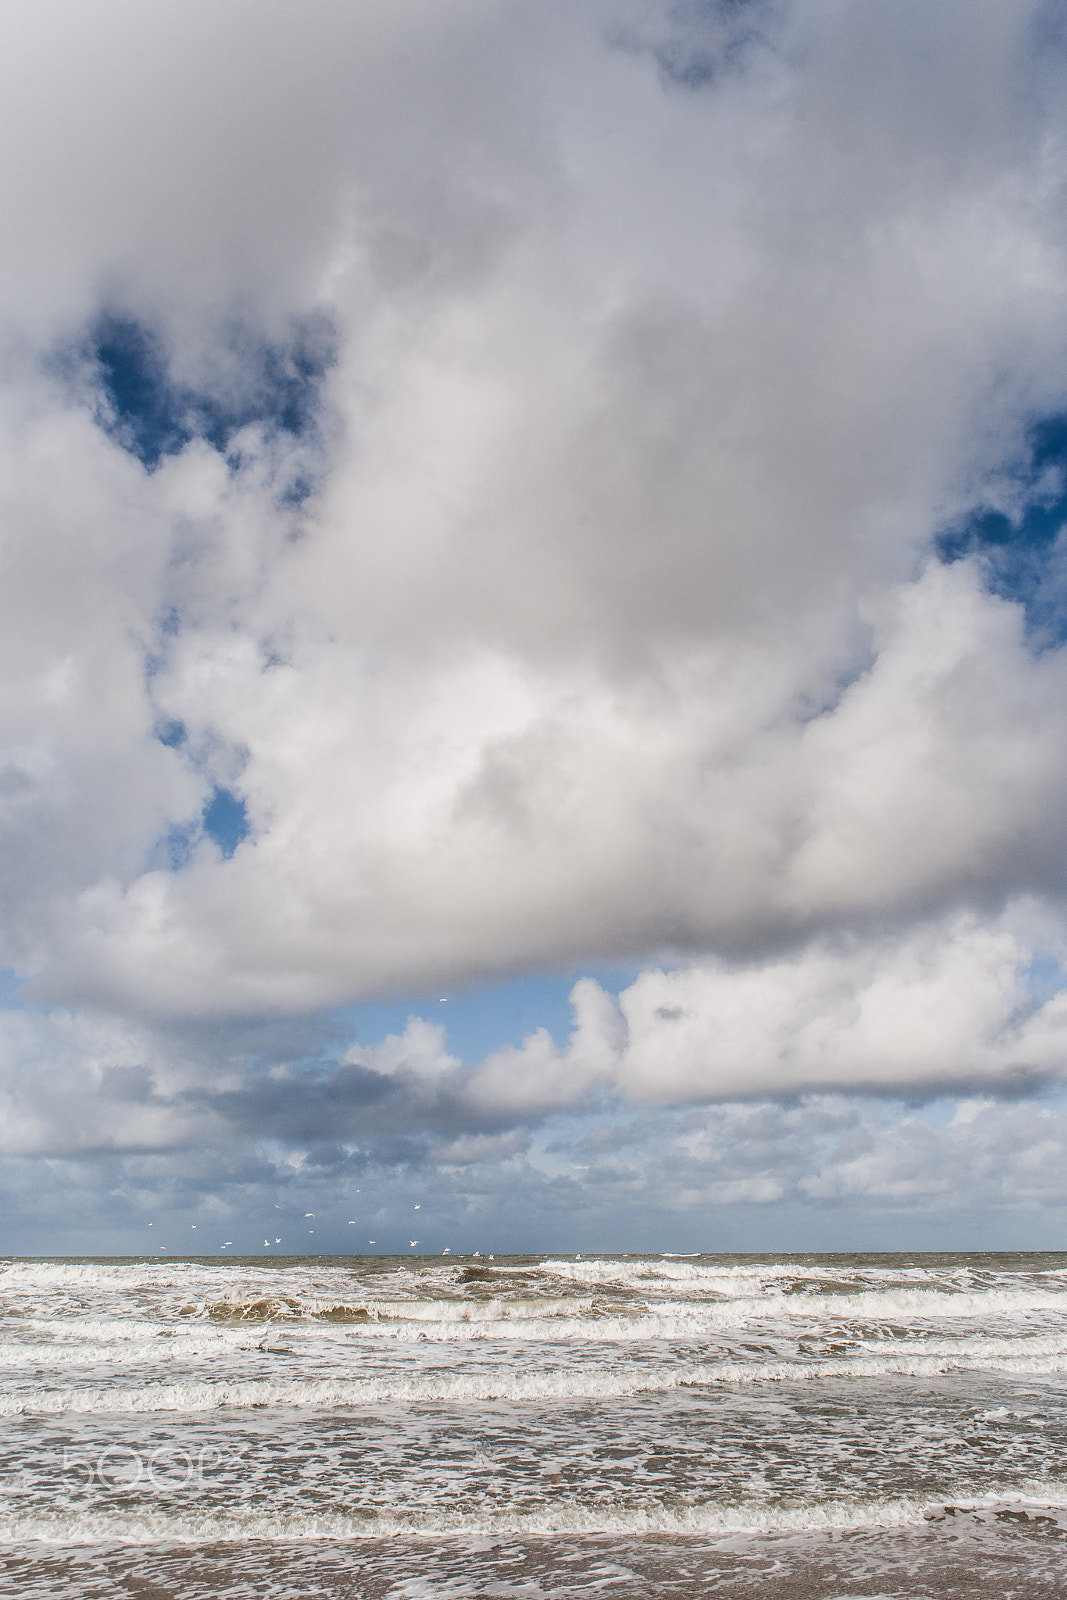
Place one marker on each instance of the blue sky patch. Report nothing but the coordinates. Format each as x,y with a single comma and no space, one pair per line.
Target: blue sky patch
172,732
1023,549
248,380
489,1016
226,821
10,989
133,375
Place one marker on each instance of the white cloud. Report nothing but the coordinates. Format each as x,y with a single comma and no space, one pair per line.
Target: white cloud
77,1083
958,1006
946,1007
667,338
937,1007
604,522
416,831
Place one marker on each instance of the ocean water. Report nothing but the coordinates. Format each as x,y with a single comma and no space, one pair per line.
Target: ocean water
674,1425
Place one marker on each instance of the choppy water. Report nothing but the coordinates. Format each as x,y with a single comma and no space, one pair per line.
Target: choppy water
611,1398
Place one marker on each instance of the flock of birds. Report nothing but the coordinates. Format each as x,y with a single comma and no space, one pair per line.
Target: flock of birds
310,1216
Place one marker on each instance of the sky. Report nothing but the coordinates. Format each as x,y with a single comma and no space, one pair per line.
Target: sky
533,625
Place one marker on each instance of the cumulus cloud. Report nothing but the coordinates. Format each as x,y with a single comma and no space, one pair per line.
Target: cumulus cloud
956,1007
500,489
408,833
941,1008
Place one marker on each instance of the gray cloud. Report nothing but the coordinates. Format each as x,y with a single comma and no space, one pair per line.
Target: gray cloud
825,1172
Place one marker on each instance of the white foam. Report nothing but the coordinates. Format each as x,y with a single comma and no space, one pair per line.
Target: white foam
587,1320
340,1391
711,1518
172,1319
368,1308
507,1383
132,1353
735,1294
907,1292
556,1353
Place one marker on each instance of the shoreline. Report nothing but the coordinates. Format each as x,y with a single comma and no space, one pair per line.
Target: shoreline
1011,1553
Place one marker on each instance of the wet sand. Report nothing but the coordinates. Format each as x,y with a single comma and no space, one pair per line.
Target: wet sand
1007,1554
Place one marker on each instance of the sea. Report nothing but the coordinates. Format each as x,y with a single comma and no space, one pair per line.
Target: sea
793,1427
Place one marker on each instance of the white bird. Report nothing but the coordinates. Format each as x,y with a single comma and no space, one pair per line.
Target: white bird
151,1224
418,1208
372,1241
266,1244
226,1245
277,1241
194,1226
414,1242
308,1214
447,1251
351,1222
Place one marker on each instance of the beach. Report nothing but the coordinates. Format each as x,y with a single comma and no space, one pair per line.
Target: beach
788,1426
